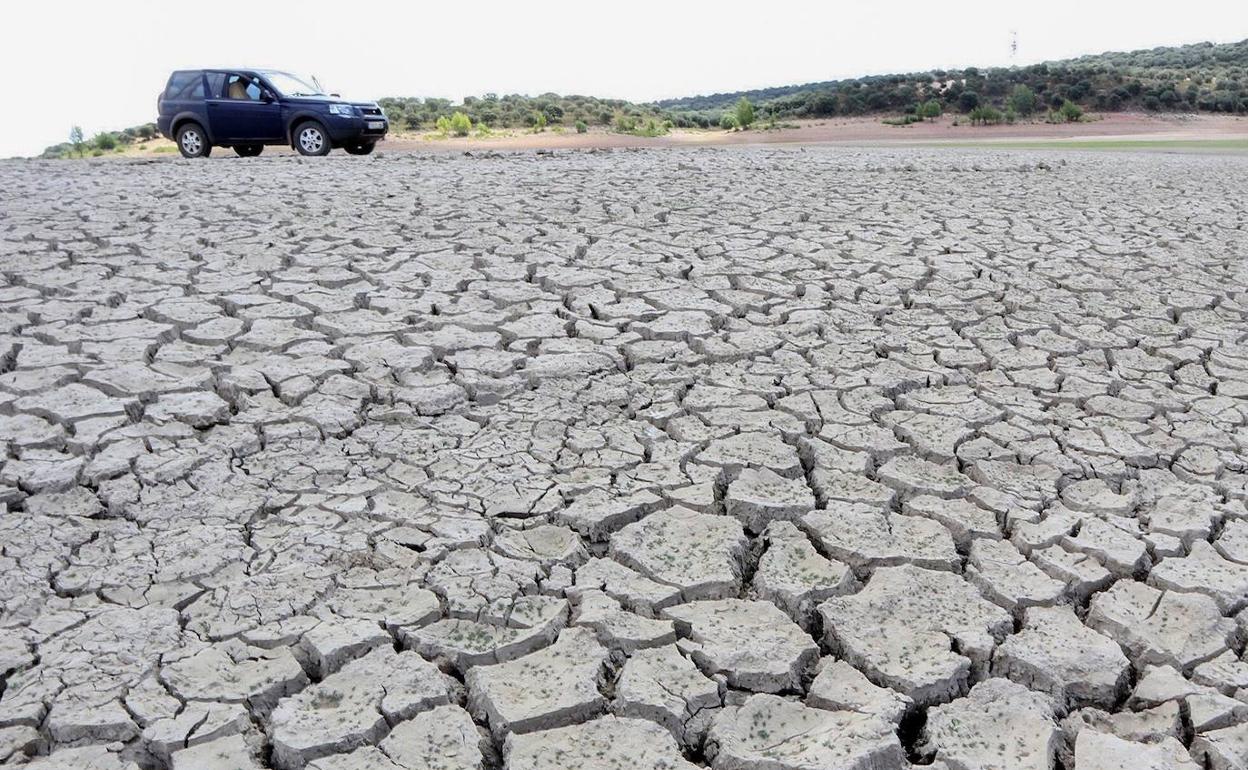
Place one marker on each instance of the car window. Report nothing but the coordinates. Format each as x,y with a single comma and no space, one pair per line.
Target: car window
242,87
216,81
185,85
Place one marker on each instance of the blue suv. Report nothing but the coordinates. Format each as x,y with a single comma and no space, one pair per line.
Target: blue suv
247,109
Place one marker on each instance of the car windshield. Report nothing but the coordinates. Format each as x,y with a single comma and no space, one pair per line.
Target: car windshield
289,85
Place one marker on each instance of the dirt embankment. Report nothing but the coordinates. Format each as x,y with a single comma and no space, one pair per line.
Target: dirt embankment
851,131
856,131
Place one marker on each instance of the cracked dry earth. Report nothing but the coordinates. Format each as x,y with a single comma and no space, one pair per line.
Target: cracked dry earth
746,459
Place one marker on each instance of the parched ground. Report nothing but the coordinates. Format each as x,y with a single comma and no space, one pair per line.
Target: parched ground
748,459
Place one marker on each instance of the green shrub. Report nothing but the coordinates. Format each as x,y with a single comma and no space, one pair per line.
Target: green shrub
537,122
1071,112
443,124
581,127
744,113
460,124
104,141
984,115
968,101
1022,100
728,121
930,109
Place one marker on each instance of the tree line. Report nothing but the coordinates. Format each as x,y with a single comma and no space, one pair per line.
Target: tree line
1203,77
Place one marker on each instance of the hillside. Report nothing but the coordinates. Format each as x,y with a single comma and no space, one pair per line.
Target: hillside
1199,77
1202,76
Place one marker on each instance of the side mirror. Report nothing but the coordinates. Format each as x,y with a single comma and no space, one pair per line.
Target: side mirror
336,96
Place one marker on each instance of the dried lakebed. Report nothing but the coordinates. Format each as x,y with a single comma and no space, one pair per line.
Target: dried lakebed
743,459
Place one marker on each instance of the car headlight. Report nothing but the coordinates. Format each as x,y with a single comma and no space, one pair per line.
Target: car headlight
345,110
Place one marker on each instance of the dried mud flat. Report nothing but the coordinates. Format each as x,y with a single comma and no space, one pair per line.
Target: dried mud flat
747,459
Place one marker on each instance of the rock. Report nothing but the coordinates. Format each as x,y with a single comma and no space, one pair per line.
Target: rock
769,732
1006,578
329,645
867,539
354,706
233,672
758,497
916,476
395,606
964,520
534,622
199,410
1158,685
84,758
663,686
617,628
230,753
630,588
1056,654
199,723
1153,725
443,738
606,743
546,544
752,644
1207,572
1120,551
663,547
1023,733
839,686
550,688
795,577
736,453
899,628
1224,749
1108,752
1161,627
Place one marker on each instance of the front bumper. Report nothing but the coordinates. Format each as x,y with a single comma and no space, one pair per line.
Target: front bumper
346,130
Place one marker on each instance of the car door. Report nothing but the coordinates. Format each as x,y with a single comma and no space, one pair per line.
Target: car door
243,110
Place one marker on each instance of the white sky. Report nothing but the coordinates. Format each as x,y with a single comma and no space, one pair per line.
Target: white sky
101,64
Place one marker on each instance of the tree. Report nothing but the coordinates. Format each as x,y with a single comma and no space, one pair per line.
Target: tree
76,139
821,104
105,141
460,124
1071,111
1022,100
443,124
744,112
968,101
728,121
930,109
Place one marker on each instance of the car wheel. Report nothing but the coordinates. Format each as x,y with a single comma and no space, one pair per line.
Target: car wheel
249,150
361,148
193,142
311,138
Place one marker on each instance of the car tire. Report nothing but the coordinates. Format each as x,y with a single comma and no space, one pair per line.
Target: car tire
310,138
192,141
248,150
360,148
